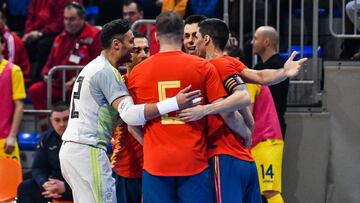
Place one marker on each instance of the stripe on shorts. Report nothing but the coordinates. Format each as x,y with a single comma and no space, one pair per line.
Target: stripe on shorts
217,179
95,172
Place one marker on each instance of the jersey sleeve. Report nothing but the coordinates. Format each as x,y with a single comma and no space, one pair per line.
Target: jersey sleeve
111,84
18,85
225,68
254,90
238,64
213,86
229,74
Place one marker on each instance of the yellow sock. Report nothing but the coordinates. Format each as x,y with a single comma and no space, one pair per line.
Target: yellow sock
276,199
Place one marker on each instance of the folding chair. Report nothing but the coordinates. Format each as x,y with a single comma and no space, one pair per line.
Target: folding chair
11,177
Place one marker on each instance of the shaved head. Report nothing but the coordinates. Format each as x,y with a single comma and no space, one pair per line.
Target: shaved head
269,33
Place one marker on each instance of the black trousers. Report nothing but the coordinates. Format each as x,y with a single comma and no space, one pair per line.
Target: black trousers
30,192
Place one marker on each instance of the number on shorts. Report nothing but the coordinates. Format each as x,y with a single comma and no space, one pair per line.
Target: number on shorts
162,86
76,95
269,171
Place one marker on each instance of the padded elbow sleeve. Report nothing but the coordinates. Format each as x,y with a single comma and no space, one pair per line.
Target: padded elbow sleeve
130,113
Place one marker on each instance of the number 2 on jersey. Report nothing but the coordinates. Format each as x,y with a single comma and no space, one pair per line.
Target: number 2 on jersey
76,95
162,86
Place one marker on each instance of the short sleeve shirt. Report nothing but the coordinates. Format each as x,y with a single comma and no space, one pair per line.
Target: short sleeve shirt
92,118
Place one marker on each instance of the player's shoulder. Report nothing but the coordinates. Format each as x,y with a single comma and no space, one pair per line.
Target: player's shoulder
96,64
16,68
228,61
234,60
197,61
223,59
94,69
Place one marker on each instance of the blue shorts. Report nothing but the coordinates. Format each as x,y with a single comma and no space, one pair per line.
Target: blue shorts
174,189
128,190
234,180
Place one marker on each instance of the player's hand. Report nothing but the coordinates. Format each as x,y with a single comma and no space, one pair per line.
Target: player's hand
291,67
185,97
50,195
192,114
10,144
54,186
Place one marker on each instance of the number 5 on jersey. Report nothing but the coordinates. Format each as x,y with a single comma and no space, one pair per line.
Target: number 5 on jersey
162,86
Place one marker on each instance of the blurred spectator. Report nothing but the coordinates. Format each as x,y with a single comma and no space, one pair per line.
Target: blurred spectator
108,11
43,23
47,182
132,11
14,50
151,8
208,8
11,105
264,44
178,6
16,13
78,44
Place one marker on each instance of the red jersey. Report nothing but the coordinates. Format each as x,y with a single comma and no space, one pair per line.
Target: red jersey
171,147
221,139
127,158
15,52
85,45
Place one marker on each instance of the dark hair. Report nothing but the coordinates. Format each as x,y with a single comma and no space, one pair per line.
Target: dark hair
113,29
138,5
170,24
59,107
217,30
138,34
235,51
194,19
78,7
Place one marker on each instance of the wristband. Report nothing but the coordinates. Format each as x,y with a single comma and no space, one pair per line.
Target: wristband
167,105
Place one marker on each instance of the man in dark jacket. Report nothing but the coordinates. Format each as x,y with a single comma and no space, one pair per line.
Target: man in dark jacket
264,44
47,182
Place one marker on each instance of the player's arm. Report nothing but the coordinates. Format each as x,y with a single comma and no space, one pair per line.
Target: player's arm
246,113
273,76
137,133
15,124
138,114
240,122
236,122
239,98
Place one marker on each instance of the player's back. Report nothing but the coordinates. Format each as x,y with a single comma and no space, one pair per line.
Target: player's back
171,147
